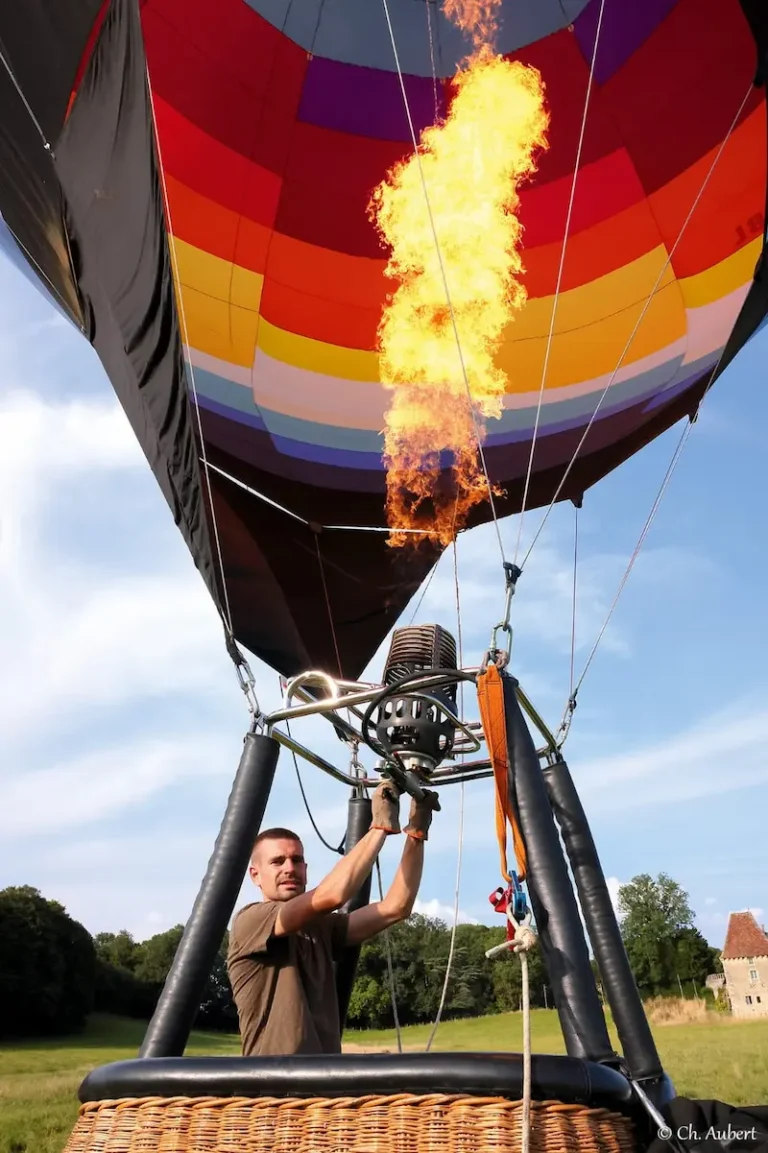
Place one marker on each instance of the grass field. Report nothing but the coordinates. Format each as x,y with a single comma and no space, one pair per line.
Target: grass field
715,1057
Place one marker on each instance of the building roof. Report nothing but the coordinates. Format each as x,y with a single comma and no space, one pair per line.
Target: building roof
744,938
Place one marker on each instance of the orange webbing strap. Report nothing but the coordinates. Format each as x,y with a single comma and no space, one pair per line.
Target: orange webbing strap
490,695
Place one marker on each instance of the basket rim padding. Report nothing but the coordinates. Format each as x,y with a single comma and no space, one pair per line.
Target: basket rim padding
553,1077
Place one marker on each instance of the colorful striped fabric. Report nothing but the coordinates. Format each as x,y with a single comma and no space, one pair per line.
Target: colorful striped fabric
275,122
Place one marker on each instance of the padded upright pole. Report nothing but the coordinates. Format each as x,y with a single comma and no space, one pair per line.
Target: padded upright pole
637,1042
169,1029
358,823
561,936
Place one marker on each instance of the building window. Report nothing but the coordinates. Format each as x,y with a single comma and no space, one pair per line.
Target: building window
753,974
758,1000
748,1000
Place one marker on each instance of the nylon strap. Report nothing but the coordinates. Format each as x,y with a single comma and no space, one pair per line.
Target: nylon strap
490,696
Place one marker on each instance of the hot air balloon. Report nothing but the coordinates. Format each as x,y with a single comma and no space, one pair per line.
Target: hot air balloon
191,182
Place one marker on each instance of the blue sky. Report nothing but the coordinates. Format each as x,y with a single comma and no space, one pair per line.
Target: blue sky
121,720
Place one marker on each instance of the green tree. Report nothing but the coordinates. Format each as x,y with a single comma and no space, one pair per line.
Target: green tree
155,955
118,949
217,1007
118,989
420,950
658,930
154,959
693,957
369,1002
659,906
47,966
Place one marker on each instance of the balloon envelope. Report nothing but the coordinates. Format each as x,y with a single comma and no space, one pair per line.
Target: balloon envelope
266,128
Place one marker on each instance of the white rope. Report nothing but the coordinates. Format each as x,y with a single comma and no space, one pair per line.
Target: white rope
639,320
566,232
180,299
565,724
460,847
573,600
523,941
527,941
390,967
44,275
432,58
640,542
65,233
443,276
25,102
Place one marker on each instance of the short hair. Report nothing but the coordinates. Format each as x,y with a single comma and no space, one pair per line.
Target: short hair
276,834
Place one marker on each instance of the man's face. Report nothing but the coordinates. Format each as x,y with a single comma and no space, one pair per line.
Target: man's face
279,869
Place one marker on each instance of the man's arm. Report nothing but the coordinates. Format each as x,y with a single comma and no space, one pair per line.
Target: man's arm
397,904
346,878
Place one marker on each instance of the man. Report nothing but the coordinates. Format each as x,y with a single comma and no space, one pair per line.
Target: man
282,949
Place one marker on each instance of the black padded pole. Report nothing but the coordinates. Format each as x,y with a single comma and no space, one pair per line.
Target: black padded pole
358,824
168,1031
553,901
632,1026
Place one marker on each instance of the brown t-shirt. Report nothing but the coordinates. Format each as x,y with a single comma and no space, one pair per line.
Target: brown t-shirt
285,987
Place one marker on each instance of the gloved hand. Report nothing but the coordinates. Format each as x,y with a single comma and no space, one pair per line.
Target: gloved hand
385,805
420,816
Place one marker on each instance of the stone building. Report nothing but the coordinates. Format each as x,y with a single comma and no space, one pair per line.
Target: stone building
745,964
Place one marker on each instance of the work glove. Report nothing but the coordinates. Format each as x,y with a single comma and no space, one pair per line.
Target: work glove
420,816
385,806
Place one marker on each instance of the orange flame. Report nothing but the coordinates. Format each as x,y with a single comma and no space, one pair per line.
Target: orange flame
471,166
479,18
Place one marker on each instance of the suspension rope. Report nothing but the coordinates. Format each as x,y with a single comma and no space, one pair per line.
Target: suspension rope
427,583
65,233
566,721
521,939
303,520
180,299
44,275
328,606
525,940
460,847
558,284
390,967
387,943
4,60
427,5
640,319
331,848
444,278
565,724
242,668
573,598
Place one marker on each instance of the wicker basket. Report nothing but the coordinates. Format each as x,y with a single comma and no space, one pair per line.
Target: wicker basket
406,1123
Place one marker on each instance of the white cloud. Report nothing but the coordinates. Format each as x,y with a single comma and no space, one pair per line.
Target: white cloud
117,640
542,607
41,445
103,783
74,634
613,884
70,436
435,908
683,767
